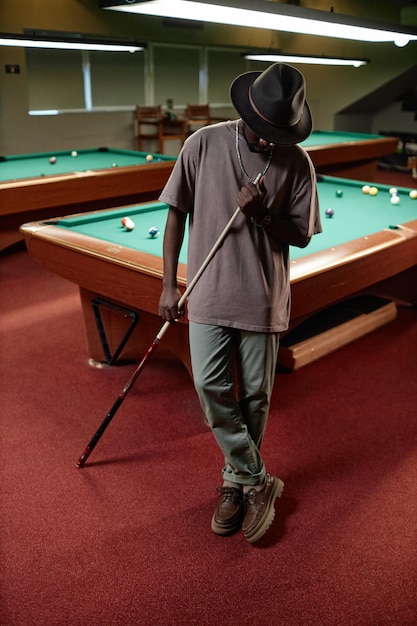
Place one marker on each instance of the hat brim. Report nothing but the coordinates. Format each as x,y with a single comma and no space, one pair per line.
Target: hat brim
239,95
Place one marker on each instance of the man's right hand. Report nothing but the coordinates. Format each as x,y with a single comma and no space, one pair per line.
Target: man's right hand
168,305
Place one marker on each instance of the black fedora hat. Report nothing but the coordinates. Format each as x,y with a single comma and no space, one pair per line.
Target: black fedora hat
273,104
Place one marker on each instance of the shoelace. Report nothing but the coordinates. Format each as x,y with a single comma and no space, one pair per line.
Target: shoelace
228,492
250,499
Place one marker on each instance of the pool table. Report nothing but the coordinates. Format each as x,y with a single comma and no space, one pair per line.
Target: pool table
32,188
368,246
348,155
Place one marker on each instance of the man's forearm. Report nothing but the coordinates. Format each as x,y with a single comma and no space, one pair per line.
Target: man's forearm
286,232
173,238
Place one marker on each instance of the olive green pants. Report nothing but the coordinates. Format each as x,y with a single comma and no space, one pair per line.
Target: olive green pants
234,373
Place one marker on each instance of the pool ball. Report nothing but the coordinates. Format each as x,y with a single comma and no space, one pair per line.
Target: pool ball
153,232
339,193
365,189
52,160
74,153
395,199
127,223
329,212
373,191
393,191
114,164
413,194
149,158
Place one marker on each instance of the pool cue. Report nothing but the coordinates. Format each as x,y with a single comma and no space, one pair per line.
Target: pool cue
94,440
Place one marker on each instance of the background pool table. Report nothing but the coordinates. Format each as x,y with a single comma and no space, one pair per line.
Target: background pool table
348,155
31,188
362,249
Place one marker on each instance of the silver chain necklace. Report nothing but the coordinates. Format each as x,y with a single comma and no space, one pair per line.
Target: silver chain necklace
239,156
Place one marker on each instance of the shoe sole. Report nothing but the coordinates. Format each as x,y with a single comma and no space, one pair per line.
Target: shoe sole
268,518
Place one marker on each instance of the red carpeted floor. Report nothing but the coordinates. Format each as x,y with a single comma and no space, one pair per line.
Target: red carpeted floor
126,541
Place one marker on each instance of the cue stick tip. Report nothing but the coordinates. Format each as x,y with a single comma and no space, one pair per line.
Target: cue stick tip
81,461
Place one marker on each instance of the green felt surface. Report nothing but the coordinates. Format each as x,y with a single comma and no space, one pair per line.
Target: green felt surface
327,138
38,165
107,225
34,165
355,215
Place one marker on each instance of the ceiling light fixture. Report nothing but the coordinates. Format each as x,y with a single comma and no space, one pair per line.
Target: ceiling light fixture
271,57
68,43
270,16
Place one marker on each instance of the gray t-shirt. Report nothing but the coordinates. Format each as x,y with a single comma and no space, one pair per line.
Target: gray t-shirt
246,285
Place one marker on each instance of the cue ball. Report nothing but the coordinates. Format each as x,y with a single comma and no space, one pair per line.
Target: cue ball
373,191
329,212
153,232
395,199
149,157
393,191
339,193
114,164
52,160
365,189
413,194
74,153
127,223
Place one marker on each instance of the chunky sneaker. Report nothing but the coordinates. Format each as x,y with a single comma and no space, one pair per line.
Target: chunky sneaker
260,509
228,516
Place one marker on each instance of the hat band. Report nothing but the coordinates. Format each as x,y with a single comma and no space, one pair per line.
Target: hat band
255,108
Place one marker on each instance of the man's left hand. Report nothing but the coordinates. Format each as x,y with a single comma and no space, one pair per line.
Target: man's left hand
250,199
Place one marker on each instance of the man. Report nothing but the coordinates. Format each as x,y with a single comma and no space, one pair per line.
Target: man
241,302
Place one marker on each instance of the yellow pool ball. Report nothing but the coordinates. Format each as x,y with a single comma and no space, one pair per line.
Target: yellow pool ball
413,194
373,191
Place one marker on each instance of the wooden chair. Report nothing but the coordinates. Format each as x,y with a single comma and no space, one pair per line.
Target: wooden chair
197,115
152,125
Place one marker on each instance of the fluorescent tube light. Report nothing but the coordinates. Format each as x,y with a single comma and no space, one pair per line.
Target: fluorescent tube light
268,15
68,43
299,58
